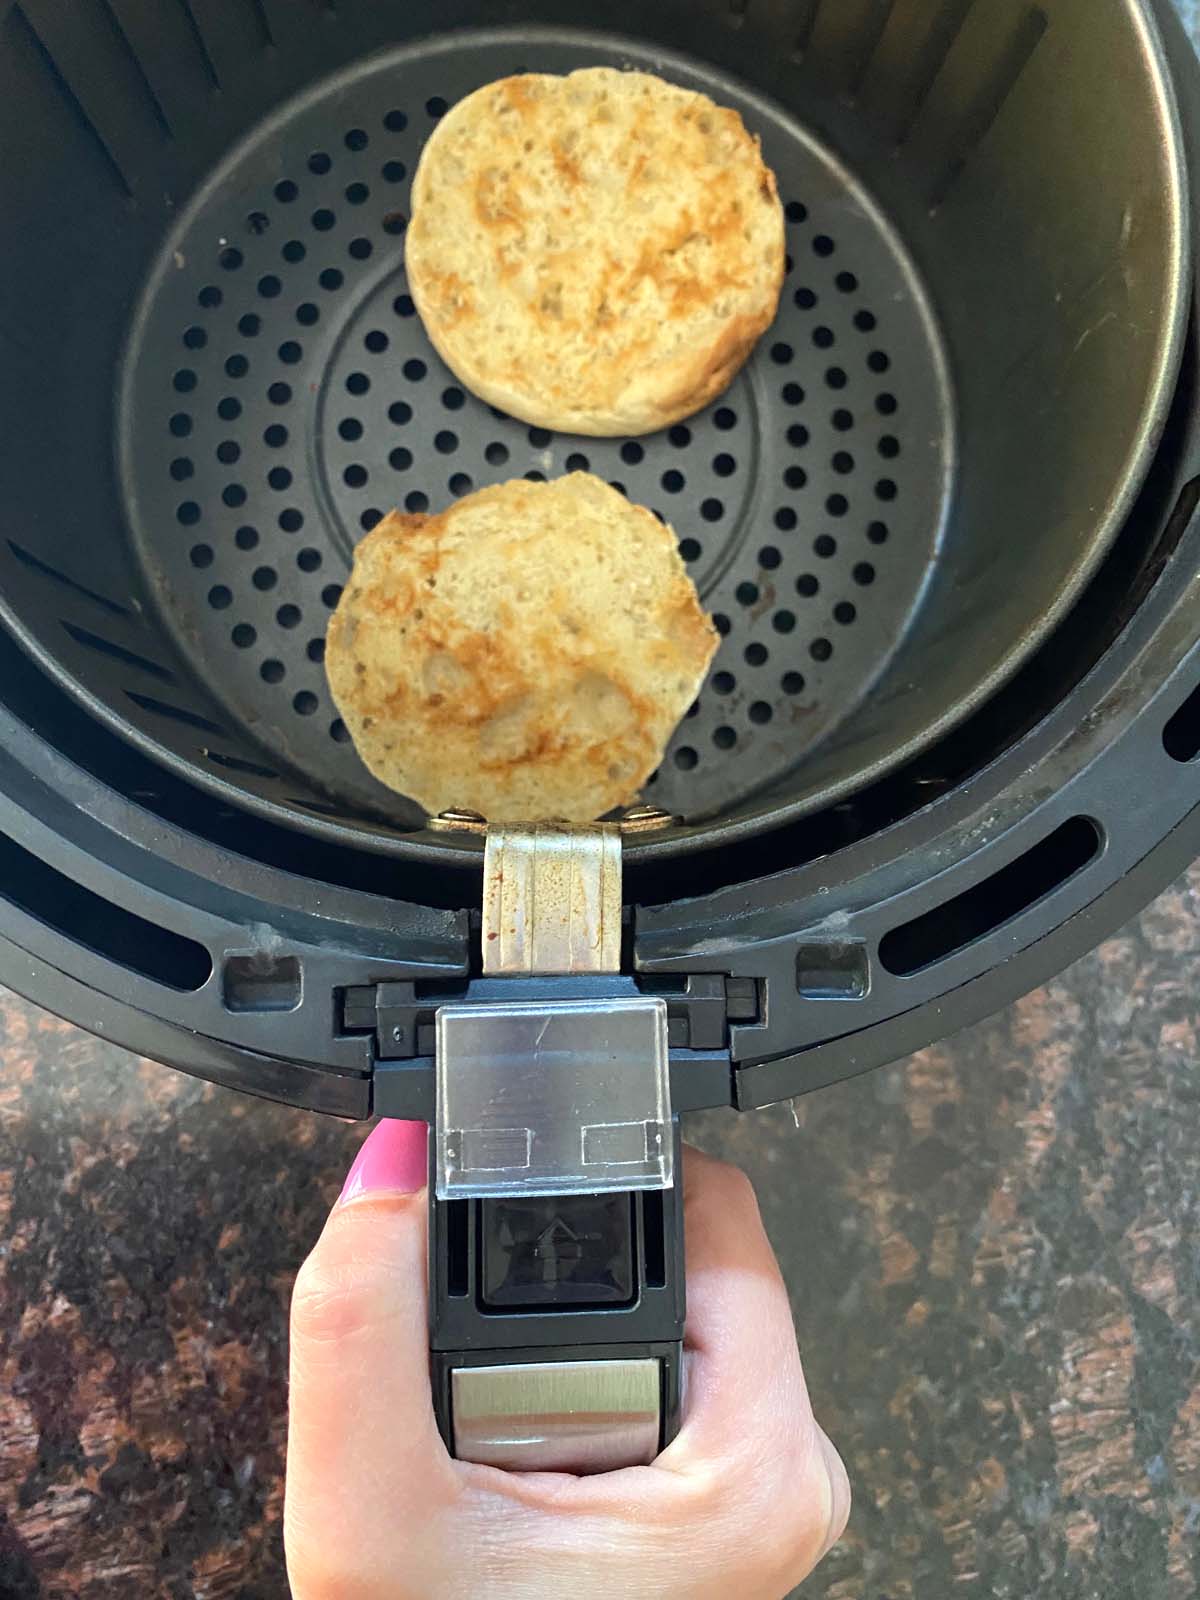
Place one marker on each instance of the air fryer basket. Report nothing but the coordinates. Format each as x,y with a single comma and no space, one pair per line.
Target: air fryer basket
947,517
928,456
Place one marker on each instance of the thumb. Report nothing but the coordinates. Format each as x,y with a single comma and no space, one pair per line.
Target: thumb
361,1430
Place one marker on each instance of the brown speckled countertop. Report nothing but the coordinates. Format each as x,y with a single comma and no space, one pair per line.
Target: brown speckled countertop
993,1249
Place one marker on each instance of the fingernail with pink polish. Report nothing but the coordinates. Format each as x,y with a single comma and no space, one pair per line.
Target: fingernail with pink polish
393,1158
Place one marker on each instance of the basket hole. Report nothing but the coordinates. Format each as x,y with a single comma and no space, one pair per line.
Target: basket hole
264,578
453,399
360,249
436,106
844,613
825,546
400,412
785,519
725,738
781,353
824,338
331,278
792,683
357,383
847,282
305,703
496,454
291,520
237,366
395,222
887,405
184,381
769,558
220,597
889,447
445,442
370,518
761,713
804,299
201,556
724,466
279,394
807,585
269,286
865,321
288,616
820,649
230,259
195,338
886,489
400,459
350,429
836,378
355,476
414,370
319,163
864,574
258,222
85,918
291,353
416,502
210,297
578,463
339,732
956,924
878,533
234,496
792,394
724,683
784,622
182,469
843,421
244,635
272,671
879,361
712,510
246,538
681,437
394,172
747,594
632,453
837,505
722,624
673,481
307,314
843,463
286,192
315,650
795,477
756,655
795,212
1181,736
187,513
686,758
260,982
308,559
690,550
461,483
357,139
395,121
403,306
180,425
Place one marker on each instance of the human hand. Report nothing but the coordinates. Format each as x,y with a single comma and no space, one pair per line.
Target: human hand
746,1501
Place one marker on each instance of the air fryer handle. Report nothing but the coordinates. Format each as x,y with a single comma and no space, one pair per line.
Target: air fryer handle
556,1328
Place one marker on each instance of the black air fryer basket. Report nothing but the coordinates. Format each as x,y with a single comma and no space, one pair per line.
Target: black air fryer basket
945,519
